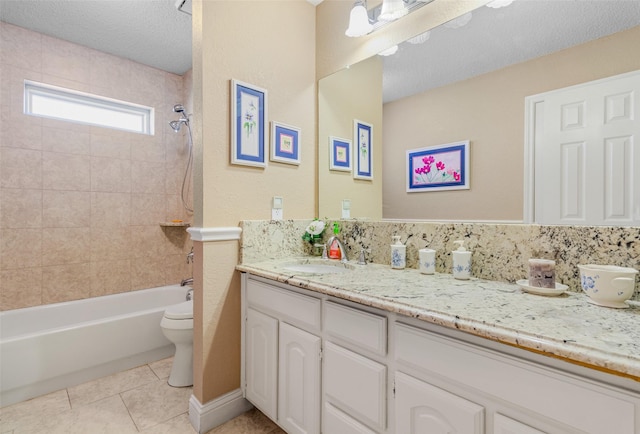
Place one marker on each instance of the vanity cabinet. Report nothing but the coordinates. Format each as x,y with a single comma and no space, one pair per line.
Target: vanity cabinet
423,408
354,374
282,356
314,363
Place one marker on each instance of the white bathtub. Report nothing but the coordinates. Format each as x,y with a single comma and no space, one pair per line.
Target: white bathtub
51,347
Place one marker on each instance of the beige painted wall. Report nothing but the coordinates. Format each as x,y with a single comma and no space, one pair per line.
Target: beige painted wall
355,93
238,39
488,111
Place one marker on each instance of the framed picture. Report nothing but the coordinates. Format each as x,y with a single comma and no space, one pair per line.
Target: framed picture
435,168
363,140
339,154
248,124
285,143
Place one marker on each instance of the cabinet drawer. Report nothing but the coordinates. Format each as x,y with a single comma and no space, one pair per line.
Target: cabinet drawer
582,405
286,305
334,421
356,327
356,385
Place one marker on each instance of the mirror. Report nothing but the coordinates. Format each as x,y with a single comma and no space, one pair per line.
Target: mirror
469,85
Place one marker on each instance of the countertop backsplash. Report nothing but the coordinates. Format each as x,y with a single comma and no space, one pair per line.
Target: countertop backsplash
500,252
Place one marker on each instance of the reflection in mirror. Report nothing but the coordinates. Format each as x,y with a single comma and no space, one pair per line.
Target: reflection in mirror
471,85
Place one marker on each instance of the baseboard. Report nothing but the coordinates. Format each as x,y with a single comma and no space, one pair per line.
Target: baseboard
208,416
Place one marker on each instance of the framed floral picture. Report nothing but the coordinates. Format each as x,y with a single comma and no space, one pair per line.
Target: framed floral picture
339,154
363,151
248,124
435,168
285,143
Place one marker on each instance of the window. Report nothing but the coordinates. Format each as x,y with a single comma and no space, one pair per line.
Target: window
84,108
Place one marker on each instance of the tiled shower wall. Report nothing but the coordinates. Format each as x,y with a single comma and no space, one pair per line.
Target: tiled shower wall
81,206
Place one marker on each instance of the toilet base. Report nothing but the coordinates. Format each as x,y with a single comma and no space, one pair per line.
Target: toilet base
182,367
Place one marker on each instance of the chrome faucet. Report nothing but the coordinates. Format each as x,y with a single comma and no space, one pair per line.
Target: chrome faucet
343,251
187,281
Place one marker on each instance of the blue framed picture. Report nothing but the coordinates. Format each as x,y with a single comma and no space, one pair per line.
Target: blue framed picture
435,168
339,154
248,124
285,143
363,140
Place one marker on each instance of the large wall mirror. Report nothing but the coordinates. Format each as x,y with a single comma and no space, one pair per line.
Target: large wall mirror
467,80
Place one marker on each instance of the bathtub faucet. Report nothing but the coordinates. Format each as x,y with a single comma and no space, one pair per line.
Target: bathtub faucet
187,281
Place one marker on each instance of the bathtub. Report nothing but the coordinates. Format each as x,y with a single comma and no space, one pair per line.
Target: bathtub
54,346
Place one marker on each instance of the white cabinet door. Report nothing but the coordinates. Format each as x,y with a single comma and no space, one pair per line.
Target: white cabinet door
506,425
356,385
261,362
335,421
425,409
299,381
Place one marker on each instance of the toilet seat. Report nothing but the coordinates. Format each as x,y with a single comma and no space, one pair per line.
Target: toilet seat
179,311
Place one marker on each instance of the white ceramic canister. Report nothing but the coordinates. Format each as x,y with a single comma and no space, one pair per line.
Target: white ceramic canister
461,261
398,254
427,261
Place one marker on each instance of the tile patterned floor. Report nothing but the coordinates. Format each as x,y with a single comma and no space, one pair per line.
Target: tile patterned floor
135,401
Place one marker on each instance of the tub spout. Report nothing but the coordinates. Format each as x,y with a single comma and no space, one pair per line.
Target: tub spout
187,281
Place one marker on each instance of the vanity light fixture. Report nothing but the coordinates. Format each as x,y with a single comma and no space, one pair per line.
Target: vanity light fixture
392,10
420,39
363,21
359,24
389,51
499,3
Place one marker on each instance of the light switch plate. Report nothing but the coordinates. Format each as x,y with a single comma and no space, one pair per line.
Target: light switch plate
276,208
346,209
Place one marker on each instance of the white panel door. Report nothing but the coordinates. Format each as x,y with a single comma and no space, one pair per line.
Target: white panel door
299,381
261,363
587,154
425,409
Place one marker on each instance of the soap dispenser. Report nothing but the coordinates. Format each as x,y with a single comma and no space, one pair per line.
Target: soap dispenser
334,246
398,253
461,261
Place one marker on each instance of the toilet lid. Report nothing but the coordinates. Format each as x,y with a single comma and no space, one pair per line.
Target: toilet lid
180,311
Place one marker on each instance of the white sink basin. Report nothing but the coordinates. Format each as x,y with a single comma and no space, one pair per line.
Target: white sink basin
317,268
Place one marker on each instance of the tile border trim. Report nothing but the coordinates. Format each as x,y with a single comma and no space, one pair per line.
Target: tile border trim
215,234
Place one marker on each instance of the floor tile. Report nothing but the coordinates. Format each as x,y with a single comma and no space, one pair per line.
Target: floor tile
30,413
162,368
156,402
108,416
178,425
251,422
101,388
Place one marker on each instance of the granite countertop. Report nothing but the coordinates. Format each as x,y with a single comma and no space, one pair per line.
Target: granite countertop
566,326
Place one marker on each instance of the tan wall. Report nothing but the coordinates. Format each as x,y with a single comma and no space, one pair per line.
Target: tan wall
355,93
488,111
80,206
236,39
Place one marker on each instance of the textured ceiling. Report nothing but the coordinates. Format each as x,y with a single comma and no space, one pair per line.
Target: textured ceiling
495,38
152,32
155,33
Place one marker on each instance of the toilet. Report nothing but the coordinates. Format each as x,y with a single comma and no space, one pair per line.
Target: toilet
177,326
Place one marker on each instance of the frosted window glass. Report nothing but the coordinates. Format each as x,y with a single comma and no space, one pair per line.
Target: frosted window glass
84,108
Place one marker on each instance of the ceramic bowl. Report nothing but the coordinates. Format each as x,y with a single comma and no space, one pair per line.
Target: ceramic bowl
608,285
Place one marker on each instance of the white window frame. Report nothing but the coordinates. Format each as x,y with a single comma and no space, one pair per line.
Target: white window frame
44,100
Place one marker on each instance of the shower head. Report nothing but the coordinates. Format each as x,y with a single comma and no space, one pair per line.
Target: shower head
176,124
178,108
